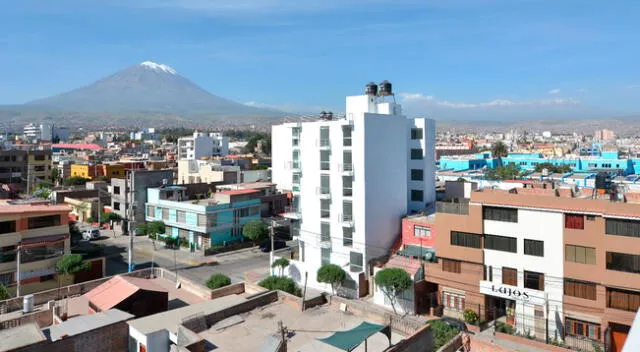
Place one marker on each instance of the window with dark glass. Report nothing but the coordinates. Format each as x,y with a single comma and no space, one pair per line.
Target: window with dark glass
582,328
580,289
355,262
622,227
416,195
629,263
43,221
533,280
416,154
465,239
325,255
417,174
7,226
416,133
500,214
509,276
574,221
501,243
533,247
325,232
347,236
451,266
623,299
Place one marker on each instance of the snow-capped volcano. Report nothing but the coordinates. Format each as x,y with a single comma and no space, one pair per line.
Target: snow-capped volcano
147,87
159,67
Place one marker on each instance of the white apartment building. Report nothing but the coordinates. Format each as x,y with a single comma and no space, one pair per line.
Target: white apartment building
352,180
202,145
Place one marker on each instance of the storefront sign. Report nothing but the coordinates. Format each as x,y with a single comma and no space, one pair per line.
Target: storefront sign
512,292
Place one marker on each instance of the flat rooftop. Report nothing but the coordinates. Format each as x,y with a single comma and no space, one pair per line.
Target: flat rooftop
79,325
20,336
249,331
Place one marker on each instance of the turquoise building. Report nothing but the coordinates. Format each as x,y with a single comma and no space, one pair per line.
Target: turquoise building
206,222
468,162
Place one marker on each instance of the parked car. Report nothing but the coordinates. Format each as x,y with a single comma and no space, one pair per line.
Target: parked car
455,323
266,247
91,234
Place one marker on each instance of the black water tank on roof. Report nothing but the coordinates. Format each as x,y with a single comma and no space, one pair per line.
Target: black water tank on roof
385,88
371,89
603,180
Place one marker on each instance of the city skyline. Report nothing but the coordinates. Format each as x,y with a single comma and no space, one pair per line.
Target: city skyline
466,59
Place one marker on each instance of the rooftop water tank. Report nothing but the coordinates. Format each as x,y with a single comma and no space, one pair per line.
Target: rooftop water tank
385,88
27,304
371,89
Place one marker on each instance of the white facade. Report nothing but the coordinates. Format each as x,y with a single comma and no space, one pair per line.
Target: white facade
202,145
351,182
535,225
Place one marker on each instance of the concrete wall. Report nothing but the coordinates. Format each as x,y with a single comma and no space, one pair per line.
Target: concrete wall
42,317
421,340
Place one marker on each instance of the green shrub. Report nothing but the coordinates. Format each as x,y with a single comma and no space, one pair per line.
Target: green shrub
470,316
284,284
442,333
505,328
217,281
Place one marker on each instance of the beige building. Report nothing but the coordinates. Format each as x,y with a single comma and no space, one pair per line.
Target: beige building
201,171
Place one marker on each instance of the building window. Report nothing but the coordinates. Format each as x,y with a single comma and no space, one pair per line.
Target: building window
623,299
116,190
325,185
591,217
116,205
295,178
416,133
451,266
325,164
347,210
7,227
574,221
580,289
509,276
417,174
47,251
43,221
324,136
325,255
500,214
346,136
582,328
151,211
181,216
347,236
165,213
533,247
421,231
325,232
347,161
347,186
416,154
580,254
355,262
453,301
533,280
488,273
501,243
629,263
621,227
416,195
325,206
465,239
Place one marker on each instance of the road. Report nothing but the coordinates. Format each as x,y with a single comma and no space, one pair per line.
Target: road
194,266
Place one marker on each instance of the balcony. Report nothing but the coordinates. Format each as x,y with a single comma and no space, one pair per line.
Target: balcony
346,169
323,192
325,242
452,208
294,165
346,220
292,213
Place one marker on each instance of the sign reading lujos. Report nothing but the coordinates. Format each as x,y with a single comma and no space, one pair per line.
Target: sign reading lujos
512,292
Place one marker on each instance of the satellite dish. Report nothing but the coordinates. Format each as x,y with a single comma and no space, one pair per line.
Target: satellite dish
428,256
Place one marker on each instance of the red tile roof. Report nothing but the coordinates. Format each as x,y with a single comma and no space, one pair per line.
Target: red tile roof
112,292
29,209
236,192
410,265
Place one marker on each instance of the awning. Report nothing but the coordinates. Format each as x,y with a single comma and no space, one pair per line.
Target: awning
428,254
37,241
350,339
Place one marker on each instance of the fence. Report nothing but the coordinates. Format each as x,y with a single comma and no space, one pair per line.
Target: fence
452,208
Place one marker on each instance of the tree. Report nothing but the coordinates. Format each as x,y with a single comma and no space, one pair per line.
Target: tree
109,217
331,274
255,230
392,282
74,233
499,149
217,281
142,229
155,227
280,263
4,293
561,169
442,333
284,284
507,172
70,264
75,181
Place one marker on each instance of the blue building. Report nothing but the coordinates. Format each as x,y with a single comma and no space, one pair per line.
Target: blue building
203,223
605,161
468,162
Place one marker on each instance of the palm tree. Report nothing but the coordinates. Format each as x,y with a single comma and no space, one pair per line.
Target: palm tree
499,149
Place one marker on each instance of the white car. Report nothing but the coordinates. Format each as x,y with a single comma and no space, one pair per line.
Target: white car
91,234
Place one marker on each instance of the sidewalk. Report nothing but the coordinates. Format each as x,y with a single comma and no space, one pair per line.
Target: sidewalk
486,342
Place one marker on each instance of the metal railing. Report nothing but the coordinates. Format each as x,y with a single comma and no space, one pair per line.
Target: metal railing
452,208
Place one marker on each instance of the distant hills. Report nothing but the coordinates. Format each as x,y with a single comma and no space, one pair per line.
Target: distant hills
147,91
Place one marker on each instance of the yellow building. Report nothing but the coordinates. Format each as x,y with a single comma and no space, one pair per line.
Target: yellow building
95,172
38,167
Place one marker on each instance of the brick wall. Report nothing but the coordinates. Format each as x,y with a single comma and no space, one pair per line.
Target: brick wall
234,289
43,318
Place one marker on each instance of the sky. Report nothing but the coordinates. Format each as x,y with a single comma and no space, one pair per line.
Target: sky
446,58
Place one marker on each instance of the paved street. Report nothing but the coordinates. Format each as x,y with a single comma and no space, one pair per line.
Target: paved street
194,266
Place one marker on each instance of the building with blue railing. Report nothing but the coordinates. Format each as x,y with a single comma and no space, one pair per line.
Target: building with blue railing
609,161
468,162
206,222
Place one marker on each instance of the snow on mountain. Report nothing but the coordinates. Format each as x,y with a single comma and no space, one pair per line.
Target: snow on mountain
160,67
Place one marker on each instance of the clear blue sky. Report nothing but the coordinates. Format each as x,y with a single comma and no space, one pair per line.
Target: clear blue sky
449,57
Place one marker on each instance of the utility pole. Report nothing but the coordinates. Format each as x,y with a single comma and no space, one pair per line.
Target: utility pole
304,292
18,249
132,227
283,333
272,235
